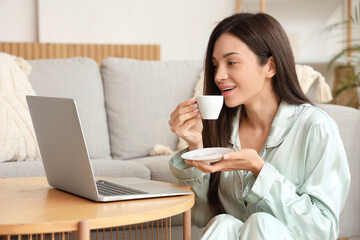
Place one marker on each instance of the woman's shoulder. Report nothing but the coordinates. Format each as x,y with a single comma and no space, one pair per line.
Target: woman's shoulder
313,115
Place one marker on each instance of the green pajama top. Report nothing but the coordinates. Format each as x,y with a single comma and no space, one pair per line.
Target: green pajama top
304,182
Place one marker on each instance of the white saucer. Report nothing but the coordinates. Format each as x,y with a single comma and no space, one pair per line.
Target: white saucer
207,155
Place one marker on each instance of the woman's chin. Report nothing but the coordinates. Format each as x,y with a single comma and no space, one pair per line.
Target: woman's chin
231,104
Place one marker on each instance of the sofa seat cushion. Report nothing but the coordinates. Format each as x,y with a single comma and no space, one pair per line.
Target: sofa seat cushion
159,167
119,168
101,168
21,169
80,79
140,95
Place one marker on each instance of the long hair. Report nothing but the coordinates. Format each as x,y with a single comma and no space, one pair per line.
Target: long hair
266,38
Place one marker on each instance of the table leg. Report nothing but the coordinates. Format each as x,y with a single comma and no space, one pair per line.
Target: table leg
187,225
84,230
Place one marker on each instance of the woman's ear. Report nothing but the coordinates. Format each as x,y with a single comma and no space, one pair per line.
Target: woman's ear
271,68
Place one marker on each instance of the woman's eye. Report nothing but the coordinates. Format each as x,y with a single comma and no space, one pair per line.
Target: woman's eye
231,63
215,67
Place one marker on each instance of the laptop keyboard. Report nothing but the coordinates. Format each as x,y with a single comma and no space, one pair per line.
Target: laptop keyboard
106,188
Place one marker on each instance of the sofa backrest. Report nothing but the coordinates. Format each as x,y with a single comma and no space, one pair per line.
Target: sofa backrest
80,79
348,121
140,96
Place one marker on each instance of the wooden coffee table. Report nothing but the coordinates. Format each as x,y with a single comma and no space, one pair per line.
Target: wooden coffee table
30,206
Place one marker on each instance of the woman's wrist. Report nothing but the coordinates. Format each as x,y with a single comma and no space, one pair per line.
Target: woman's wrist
195,146
257,167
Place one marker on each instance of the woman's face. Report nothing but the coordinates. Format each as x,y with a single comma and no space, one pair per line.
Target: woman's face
238,74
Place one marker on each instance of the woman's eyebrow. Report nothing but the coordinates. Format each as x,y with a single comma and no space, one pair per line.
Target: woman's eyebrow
227,54
230,53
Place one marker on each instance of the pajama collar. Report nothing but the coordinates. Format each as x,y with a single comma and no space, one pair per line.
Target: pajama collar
280,127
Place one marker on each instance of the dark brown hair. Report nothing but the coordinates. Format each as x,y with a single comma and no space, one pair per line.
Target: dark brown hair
265,37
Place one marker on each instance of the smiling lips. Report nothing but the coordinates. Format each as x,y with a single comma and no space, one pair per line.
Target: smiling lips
226,90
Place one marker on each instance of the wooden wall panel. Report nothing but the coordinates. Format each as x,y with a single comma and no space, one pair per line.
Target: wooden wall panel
96,51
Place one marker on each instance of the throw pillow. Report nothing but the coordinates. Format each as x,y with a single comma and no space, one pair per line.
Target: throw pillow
17,137
140,96
307,77
66,78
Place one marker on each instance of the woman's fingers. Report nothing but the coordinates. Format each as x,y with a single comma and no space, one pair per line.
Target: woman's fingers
181,119
184,110
181,130
184,114
185,122
246,153
246,159
185,104
191,122
204,167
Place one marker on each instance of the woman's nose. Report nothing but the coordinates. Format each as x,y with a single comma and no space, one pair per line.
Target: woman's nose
220,74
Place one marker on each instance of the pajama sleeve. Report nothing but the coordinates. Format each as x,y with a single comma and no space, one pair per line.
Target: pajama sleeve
199,183
310,210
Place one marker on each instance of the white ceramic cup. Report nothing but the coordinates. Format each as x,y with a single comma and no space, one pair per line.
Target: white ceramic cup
210,106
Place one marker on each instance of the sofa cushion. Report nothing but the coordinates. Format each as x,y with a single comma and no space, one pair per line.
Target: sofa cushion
159,168
348,121
111,168
101,168
22,169
140,95
80,79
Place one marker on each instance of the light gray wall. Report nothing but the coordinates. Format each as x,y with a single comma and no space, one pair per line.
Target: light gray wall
181,27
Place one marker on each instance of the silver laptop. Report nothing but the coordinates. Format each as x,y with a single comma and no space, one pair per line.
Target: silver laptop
66,159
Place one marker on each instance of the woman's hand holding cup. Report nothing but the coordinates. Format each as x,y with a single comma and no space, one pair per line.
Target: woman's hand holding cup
185,122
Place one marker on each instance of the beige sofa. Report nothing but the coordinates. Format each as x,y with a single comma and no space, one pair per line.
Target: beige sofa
124,107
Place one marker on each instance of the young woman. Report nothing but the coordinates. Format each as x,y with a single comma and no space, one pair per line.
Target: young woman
288,176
